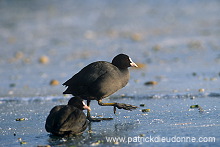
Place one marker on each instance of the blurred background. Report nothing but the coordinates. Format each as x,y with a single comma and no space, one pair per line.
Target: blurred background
44,43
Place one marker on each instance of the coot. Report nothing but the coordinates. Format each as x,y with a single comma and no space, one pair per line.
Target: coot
101,79
67,120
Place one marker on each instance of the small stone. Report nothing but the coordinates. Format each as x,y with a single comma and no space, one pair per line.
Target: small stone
136,37
96,143
123,95
194,106
54,82
12,85
145,110
116,143
151,83
201,90
142,105
19,55
213,79
43,59
20,119
194,74
197,106
90,131
23,142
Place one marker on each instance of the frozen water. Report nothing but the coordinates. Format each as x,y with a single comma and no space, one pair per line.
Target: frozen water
177,41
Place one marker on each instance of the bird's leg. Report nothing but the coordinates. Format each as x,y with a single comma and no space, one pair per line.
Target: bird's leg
88,112
108,104
117,105
94,119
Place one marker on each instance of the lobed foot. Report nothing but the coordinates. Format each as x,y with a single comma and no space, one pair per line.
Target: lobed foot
124,106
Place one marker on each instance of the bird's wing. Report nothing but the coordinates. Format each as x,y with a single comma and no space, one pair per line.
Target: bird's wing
74,122
88,74
50,121
105,85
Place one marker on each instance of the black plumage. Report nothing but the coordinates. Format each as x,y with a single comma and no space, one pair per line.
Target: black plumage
101,79
65,120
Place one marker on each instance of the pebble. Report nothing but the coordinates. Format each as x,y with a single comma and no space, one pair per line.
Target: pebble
194,74
136,37
197,106
54,82
194,106
90,131
116,143
19,55
12,85
96,143
151,83
20,119
145,110
142,105
213,79
23,142
44,59
201,90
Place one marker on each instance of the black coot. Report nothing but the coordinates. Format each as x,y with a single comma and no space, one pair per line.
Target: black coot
67,120
101,79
